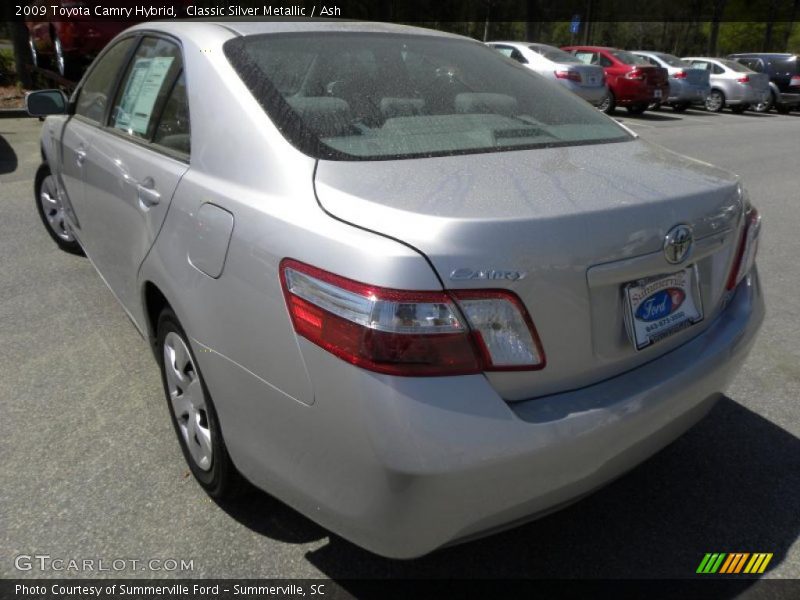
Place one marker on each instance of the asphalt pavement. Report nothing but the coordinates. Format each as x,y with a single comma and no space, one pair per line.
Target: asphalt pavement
91,468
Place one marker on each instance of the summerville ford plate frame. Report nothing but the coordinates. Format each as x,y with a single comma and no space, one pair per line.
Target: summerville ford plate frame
658,307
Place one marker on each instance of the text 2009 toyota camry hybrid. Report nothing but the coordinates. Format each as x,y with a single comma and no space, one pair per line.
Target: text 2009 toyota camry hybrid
398,281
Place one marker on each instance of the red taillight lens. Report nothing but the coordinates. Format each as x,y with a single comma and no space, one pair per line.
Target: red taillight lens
410,333
571,75
746,252
634,74
794,81
679,75
744,79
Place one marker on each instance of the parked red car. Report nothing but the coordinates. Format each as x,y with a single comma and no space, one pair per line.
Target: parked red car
72,42
632,81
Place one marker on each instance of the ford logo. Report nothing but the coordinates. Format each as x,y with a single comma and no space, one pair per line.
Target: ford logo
661,304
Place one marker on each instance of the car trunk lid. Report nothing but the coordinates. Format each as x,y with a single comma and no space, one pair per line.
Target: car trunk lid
564,228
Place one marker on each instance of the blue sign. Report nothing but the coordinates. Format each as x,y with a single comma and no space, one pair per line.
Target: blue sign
660,304
575,26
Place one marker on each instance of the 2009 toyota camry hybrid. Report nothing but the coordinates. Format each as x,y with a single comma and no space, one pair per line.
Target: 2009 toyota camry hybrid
397,280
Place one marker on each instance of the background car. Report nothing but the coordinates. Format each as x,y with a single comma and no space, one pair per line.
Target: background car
687,85
783,71
732,84
68,45
632,81
588,81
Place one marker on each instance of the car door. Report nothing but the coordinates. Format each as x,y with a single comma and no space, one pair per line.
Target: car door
90,105
136,162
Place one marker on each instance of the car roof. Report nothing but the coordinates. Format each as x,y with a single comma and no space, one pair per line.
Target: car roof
579,47
238,27
762,54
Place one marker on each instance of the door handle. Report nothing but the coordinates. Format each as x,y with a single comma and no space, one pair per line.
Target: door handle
80,156
148,196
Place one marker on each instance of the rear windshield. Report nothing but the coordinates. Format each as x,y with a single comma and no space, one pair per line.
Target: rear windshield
555,55
364,96
628,57
673,61
735,66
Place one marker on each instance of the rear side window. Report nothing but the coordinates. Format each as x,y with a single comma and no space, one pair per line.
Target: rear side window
93,96
511,52
173,130
146,87
346,96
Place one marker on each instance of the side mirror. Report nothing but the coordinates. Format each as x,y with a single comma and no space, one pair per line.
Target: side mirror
46,102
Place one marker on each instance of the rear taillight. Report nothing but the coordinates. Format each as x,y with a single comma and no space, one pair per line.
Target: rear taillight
743,79
410,333
679,75
634,74
571,75
794,81
746,252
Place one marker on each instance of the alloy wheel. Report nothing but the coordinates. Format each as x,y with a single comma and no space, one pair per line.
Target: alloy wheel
188,400
714,102
53,210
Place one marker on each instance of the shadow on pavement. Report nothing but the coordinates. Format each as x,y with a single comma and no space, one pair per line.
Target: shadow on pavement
729,485
8,158
649,116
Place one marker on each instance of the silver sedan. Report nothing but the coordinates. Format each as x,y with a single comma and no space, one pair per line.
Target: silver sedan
587,81
396,280
732,84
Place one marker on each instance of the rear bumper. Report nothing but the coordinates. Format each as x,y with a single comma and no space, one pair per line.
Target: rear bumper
593,95
680,91
402,466
632,91
789,99
745,94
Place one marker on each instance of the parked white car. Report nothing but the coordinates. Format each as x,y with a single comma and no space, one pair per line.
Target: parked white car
588,81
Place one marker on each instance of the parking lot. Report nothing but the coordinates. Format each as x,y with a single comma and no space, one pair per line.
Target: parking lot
91,467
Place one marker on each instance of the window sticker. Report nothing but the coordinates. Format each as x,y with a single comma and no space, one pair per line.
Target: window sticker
141,91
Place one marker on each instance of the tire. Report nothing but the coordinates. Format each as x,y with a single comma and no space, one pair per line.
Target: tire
50,207
636,109
608,104
654,106
715,101
680,107
193,415
765,107
783,109
739,108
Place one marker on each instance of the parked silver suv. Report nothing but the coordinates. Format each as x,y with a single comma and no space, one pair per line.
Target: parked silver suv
401,283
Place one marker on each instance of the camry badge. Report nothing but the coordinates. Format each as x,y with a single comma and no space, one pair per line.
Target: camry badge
465,273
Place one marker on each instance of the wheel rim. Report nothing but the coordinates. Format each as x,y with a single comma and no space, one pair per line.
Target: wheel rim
188,400
34,54
714,101
53,210
60,61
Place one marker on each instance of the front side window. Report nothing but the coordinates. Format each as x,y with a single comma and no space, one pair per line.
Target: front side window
346,96
150,78
93,96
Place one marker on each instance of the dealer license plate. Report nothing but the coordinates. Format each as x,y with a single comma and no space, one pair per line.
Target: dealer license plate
662,306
